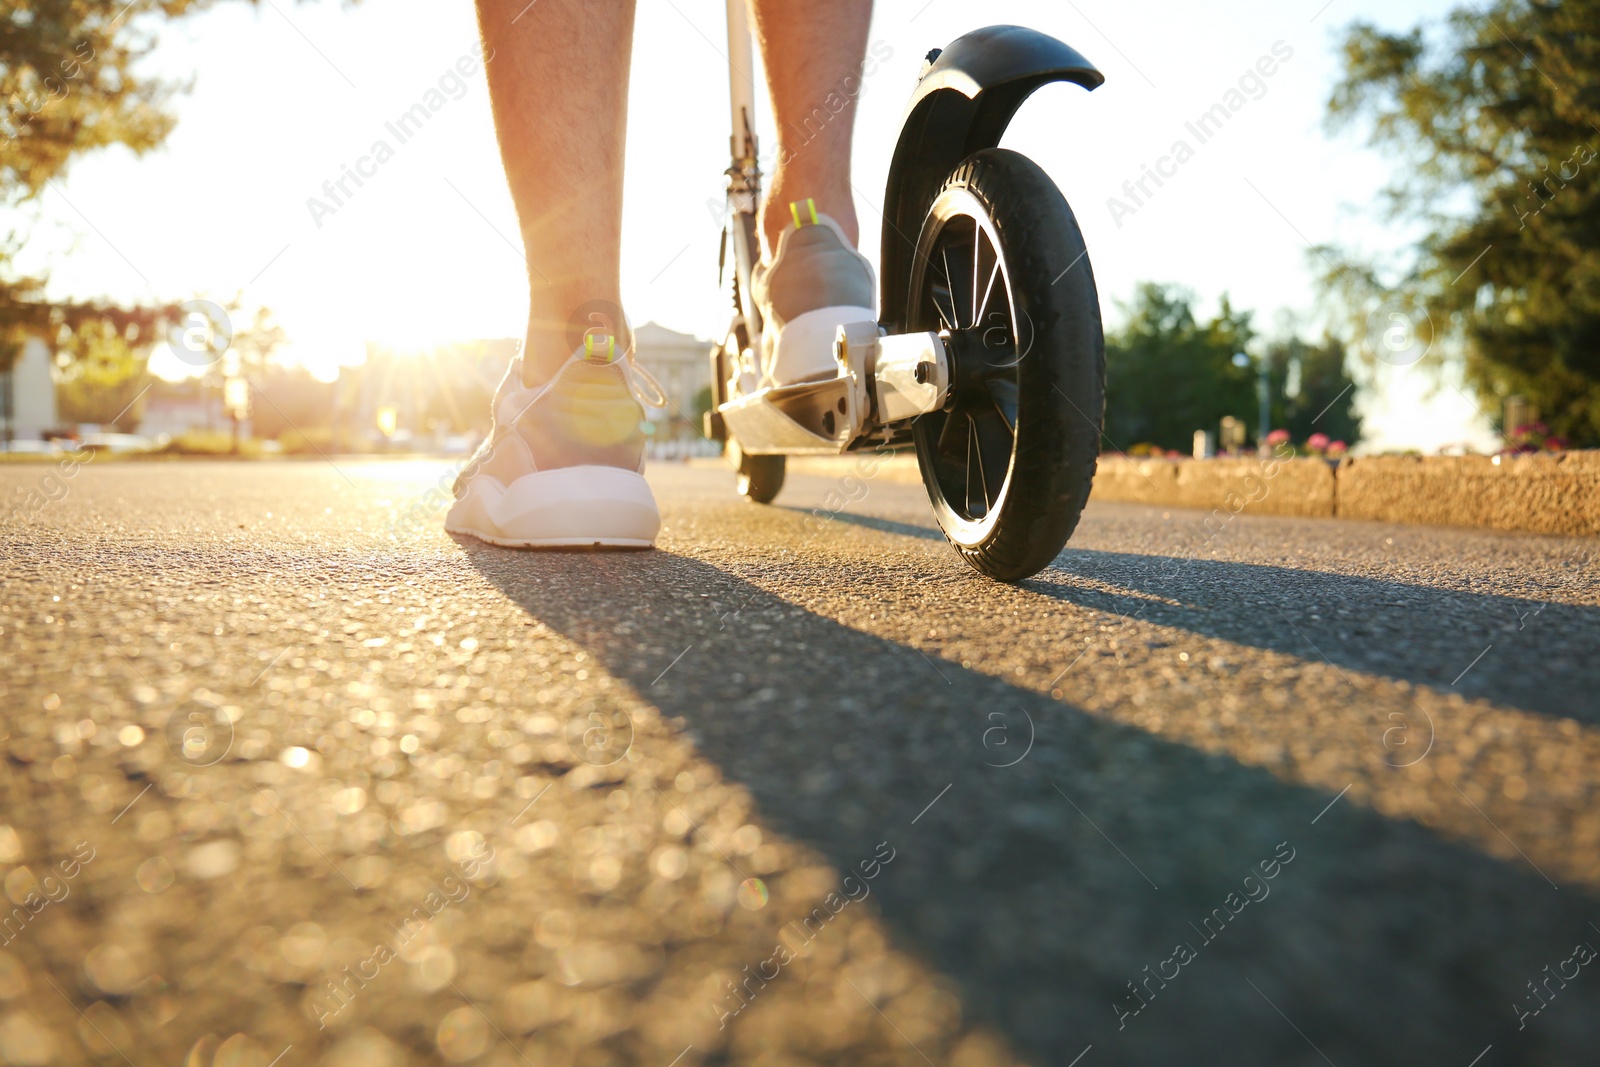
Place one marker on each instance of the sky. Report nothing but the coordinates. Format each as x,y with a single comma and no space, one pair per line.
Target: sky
286,95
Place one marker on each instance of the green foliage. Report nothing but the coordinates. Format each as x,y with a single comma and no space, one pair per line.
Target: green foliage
19,315
1498,109
69,84
208,443
316,442
1168,375
102,375
1326,399
253,346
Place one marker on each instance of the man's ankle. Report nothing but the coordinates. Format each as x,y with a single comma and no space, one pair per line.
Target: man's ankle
545,349
542,356
776,217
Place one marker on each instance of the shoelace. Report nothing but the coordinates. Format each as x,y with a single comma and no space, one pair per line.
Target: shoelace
600,350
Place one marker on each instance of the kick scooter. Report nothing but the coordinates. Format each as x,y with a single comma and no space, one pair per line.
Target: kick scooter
988,355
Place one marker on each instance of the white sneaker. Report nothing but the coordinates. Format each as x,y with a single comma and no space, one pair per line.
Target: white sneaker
563,465
815,283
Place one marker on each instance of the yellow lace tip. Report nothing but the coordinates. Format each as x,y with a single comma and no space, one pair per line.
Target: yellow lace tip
601,349
811,210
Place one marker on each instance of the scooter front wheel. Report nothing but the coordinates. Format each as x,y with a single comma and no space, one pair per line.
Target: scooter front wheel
1001,268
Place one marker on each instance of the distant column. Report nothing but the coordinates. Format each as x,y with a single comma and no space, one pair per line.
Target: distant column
33,393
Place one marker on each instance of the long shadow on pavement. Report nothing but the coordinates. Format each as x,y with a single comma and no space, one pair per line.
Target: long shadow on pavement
1035,885
873,522
1535,655
1514,651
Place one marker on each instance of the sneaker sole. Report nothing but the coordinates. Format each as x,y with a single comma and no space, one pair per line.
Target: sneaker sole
556,542
571,507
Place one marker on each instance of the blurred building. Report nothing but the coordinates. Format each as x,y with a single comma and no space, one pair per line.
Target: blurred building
426,399
176,408
28,395
679,361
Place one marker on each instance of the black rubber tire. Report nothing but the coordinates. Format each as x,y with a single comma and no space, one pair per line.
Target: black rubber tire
1059,391
760,477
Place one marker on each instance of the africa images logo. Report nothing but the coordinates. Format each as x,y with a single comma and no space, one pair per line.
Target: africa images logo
405,126
1256,890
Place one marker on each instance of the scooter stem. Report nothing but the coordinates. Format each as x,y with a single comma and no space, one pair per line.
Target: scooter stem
742,104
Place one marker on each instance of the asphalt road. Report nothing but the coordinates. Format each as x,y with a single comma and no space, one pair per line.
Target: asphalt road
289,782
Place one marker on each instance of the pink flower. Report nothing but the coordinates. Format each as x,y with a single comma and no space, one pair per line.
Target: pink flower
1338,448
1317,442
1278,437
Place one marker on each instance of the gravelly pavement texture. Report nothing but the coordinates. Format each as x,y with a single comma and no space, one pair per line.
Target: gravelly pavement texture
285,782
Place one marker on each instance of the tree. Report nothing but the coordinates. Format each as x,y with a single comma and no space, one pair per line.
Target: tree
70,83
101,349
102,374
20,316
1324,393
1168,375
1495,116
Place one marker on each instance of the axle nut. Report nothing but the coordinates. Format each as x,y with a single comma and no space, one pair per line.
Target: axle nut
923,372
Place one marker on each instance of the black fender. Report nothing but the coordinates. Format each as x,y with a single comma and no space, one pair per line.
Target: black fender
963,103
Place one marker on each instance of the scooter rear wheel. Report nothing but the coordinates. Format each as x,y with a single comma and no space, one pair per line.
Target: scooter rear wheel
1002,269
759,477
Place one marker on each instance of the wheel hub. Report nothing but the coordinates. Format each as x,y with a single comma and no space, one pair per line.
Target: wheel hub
978,356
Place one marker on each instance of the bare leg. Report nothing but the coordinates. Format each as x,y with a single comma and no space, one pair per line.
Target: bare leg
813,50
558,83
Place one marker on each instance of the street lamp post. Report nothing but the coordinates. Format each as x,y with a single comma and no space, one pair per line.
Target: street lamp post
236,399
1263,402
1263,395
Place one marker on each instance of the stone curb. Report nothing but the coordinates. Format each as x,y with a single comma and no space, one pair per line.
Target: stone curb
1555,493
1302,487
1552,493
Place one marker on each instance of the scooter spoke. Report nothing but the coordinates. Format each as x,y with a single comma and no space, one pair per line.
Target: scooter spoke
966,496
985,268
1003,395
951,451
975,459
948,321
979,313
993,446
950,281
947,446
977,254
